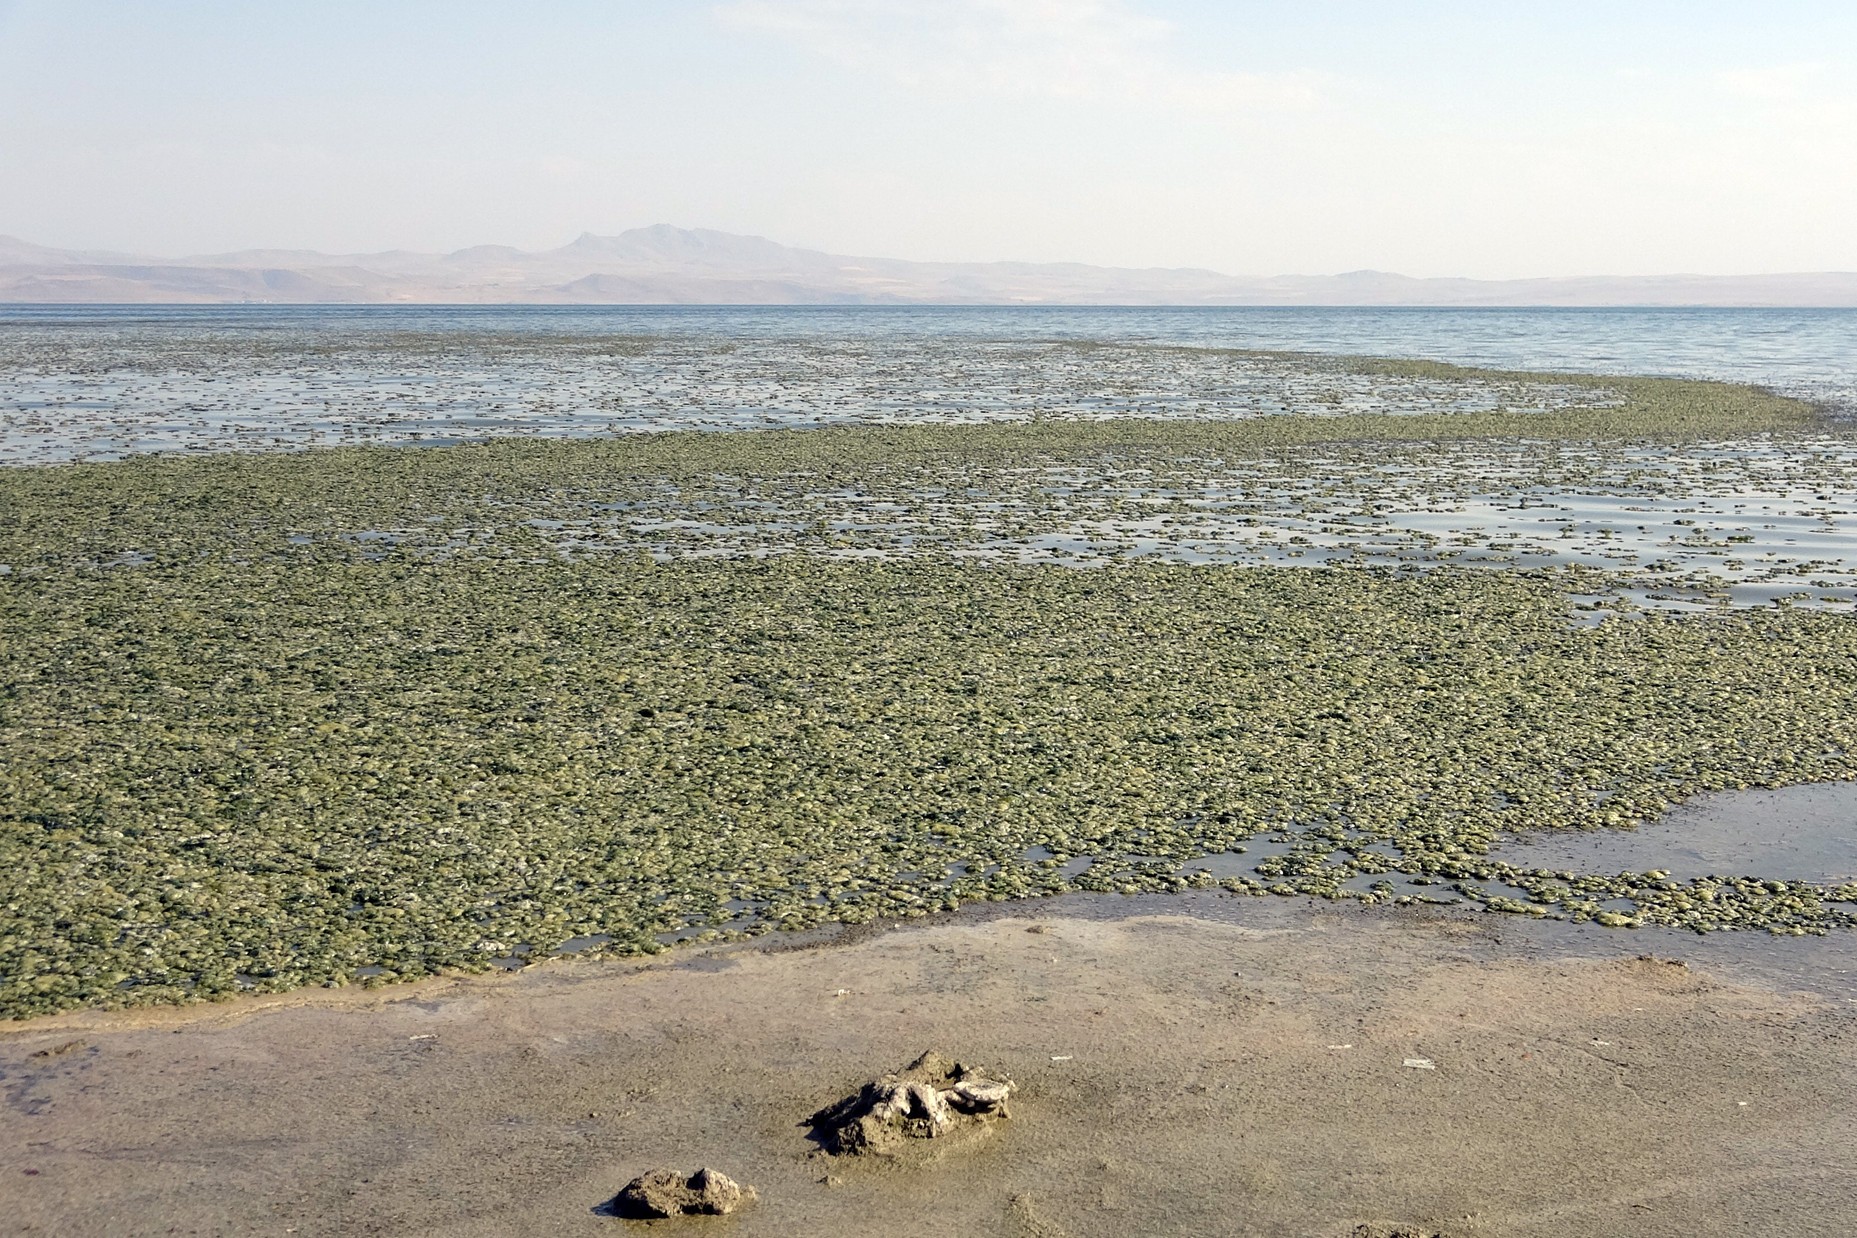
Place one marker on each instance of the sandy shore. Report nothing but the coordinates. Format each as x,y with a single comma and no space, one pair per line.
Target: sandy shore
1191,1066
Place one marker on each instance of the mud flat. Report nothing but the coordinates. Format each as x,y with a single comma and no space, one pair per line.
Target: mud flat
1191,1064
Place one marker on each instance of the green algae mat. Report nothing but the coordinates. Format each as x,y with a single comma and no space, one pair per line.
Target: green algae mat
281,720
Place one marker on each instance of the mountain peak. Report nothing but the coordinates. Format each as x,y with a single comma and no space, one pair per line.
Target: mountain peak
666,245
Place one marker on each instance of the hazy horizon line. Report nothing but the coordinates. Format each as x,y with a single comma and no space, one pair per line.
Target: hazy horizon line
663,264
101,256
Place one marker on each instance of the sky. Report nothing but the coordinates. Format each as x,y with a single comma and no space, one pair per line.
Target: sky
1486,139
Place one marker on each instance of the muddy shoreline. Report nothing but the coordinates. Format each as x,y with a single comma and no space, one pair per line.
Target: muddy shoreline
1199,1063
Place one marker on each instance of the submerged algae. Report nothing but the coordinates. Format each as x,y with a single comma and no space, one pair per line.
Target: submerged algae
102,393
176,505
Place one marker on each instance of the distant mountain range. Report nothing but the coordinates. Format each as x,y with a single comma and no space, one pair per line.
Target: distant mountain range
695,266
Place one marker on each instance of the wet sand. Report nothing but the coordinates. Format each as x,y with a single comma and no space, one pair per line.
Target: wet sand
1203,1065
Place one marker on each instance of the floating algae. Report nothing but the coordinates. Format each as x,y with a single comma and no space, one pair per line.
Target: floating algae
276,720
113,392
1758,509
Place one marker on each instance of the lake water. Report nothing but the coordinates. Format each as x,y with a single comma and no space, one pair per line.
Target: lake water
1797,349
1802,833
107,381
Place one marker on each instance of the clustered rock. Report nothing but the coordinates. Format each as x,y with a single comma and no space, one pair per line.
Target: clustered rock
930,1098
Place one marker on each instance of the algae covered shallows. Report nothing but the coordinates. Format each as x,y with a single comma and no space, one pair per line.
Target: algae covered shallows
285,719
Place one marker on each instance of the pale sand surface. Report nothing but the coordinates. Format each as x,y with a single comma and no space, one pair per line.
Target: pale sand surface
1231,1066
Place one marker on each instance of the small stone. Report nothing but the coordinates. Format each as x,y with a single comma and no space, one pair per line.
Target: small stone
667,1193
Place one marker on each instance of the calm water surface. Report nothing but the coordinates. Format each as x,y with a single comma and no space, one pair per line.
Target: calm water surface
102,382
1778,346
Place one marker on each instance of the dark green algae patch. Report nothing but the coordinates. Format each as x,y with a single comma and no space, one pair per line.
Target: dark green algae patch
246,750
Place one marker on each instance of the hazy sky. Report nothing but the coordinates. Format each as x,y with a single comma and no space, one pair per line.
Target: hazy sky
1487,138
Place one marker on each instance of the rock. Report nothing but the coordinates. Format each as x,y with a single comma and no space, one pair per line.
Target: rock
1394,1231
667,1193
930,1098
